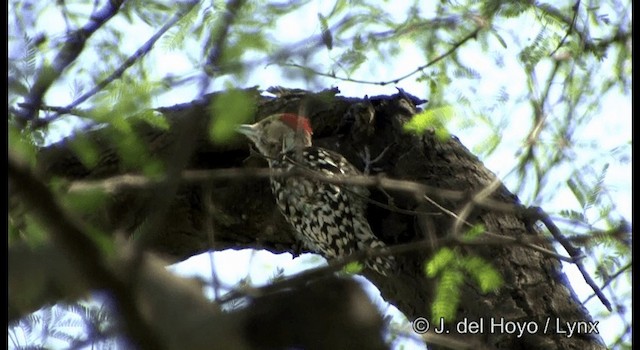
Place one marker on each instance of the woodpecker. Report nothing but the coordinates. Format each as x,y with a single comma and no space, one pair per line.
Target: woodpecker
328,219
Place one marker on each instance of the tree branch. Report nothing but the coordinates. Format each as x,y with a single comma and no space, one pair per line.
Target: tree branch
119,183
74,45
72,238
140,52
575,9
185,142
453,48
539,214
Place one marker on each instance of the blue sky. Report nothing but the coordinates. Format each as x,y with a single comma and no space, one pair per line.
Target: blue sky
607,130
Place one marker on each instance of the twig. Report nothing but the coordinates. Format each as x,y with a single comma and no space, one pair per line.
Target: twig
337,264
575,253
210,229
140,52
119,183
477,198
212,65
575,9
460,220
558,15
610,279
72,48
455,46
71,237
116,184
185,142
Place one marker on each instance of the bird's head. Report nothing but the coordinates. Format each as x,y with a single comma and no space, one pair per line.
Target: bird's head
278,133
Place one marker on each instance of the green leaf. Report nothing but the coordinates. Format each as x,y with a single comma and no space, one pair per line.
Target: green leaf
577,191
598,188
23,227
353,268
434,118
572,214
229,109
85,150
485,275
153,118
351,59
22,144
442,260
88,202
488,145
327,38
338,7
500,40
475,231
16,86
447,296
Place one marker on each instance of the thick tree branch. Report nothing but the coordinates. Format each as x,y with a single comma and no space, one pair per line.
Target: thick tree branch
245,215
152,302
69,235
116,184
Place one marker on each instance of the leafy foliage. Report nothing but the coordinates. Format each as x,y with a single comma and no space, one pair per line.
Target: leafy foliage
557,72
229,109
434,118
450,267
353,268
63,326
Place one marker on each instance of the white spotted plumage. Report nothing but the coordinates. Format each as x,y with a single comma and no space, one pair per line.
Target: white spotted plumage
329,219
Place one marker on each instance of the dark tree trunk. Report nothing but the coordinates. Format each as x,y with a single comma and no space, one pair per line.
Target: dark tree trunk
243,214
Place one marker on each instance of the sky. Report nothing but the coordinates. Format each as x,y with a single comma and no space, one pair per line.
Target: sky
615,120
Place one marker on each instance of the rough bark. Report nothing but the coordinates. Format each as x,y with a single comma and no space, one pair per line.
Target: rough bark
243,213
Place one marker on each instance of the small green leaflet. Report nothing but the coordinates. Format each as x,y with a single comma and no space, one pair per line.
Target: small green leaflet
229,109
435,118
353,268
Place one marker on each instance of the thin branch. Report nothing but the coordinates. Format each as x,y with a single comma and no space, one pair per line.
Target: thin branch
215,53
538,105
74,240
210,229
459,220
72,48
575,9
119,183
56,109
185,142
539,119
455,46
337,264
140,52
560,16
217,40
575,253
477,198
610,279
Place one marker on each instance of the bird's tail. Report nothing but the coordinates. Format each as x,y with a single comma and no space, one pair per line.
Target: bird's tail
384,265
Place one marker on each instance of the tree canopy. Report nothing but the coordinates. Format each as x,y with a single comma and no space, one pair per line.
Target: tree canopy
539,92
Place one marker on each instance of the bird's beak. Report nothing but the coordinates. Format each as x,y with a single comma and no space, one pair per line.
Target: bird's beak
249,130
